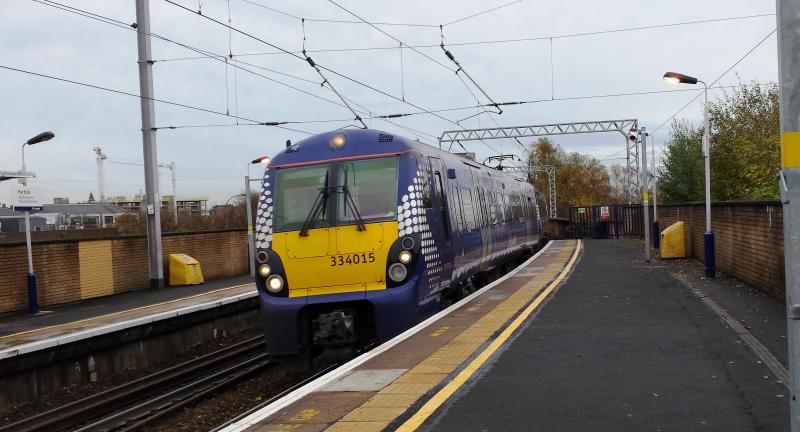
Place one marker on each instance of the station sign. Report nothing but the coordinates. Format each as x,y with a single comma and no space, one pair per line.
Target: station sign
25,200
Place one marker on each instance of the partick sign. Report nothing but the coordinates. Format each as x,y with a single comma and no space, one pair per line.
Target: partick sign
26,201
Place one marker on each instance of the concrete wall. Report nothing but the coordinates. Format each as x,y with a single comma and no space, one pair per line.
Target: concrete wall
70,270
748,236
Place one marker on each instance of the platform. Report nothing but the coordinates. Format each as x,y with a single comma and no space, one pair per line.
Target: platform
22,333
584,336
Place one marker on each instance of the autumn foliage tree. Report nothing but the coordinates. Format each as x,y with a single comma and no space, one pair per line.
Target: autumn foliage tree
581,180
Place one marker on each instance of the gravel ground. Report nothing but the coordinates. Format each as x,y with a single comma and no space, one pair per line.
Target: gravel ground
230,403
76,392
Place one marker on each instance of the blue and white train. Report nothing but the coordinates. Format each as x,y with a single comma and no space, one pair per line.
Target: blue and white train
361,234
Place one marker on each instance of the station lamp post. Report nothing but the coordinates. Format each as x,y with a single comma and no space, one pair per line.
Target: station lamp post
251,246
708,237
33,298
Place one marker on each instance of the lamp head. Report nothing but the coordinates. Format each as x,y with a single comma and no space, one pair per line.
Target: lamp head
44,136
264,160
676,78
633,134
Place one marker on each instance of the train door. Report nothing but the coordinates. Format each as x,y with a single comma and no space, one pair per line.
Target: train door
442,237
486,226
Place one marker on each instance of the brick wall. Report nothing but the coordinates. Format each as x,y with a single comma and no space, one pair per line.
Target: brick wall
57,264
748,239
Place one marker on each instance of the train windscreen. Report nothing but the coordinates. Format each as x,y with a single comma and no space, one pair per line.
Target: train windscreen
298,191
372,186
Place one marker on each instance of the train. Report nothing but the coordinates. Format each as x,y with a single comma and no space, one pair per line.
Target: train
360,234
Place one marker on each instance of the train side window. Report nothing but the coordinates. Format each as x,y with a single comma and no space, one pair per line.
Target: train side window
442,210
468,209
456,210
484,207
529,207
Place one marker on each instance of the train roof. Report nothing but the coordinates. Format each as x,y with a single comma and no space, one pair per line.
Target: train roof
364,143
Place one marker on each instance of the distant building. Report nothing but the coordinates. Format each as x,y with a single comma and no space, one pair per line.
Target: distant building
186,205
63,216
12,221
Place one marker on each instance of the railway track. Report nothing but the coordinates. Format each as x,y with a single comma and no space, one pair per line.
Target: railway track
313,377
147,400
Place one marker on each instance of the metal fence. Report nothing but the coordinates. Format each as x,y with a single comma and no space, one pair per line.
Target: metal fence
611,221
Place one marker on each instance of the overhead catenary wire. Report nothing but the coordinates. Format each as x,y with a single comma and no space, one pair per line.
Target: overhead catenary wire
220,57
504,41
331,20
206,54
570,98
420,53
253,122
750,51
483,12
213,56
325,79
389,35
365,85
341,21
469,77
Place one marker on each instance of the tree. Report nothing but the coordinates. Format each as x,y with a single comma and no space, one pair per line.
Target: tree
745,143
745,149
619,180
681,174
580,179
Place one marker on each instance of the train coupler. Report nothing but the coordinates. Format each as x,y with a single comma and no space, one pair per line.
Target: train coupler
335,328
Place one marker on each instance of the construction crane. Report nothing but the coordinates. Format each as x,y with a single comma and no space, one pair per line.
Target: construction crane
102,158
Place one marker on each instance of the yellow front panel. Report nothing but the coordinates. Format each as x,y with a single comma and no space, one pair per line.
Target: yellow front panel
336,260
350,240
316,244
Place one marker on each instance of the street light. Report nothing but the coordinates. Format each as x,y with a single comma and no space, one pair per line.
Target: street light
708,237
33,298
44,136
251,246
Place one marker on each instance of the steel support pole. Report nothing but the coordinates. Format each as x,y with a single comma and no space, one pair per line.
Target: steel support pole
152,197
174,195
628,173
656,230
33,297
251,247
645,195
709,256
789,184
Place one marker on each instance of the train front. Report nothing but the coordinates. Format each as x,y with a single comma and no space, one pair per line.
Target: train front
333,271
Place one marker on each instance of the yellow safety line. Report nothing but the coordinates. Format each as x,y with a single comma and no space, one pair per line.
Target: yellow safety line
121,312
439,398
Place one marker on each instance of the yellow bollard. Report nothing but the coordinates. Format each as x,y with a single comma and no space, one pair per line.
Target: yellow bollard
184,270
673,243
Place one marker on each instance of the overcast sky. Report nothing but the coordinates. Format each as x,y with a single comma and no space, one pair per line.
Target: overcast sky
211,161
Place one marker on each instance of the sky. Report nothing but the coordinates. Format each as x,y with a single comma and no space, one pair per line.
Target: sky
560,68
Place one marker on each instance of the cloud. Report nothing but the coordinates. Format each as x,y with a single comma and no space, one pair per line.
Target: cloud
211,161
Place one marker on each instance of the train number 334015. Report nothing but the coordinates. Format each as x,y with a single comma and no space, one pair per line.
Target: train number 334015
350,259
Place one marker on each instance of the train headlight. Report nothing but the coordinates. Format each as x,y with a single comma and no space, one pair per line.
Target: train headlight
398,272
404,257
337,141
275,284
262,256
264,270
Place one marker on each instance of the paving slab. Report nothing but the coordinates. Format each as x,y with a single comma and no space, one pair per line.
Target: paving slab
623,346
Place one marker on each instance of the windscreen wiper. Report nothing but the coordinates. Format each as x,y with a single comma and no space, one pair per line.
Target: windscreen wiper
348,199
319,204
